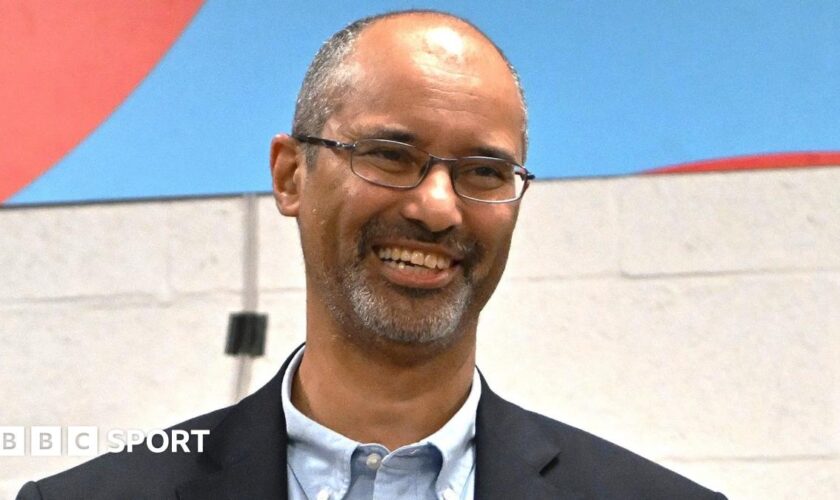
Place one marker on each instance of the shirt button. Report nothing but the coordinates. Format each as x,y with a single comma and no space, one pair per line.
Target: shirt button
449,494
324,494
373,461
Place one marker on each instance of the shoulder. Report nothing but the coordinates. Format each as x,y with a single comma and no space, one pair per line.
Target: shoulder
249,432
575,460
138,474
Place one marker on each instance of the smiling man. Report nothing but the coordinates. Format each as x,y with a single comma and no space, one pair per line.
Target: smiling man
404,172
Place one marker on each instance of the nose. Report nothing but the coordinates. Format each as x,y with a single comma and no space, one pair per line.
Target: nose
433,203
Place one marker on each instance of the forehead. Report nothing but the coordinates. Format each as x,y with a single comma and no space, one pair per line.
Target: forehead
429,42
428,71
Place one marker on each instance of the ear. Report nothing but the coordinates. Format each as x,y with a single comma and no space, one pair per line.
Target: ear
287,174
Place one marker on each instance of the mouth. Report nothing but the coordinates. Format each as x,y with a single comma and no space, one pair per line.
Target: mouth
416,268
403,258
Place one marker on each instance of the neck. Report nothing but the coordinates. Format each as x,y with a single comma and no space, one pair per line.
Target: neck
387,393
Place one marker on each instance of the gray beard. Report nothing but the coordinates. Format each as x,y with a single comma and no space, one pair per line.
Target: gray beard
377,318
376,315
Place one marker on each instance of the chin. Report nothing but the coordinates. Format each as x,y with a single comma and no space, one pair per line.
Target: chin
430,323
407,316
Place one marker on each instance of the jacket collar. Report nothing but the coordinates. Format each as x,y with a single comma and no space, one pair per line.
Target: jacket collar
245,454
246,451
513,455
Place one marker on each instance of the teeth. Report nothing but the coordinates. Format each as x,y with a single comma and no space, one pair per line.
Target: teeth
417,258
401,257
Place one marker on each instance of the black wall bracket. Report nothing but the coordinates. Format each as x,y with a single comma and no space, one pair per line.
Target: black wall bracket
246,334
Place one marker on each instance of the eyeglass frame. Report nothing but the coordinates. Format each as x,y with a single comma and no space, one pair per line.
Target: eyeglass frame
427,167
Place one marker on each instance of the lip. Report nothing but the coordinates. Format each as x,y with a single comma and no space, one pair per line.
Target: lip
424,278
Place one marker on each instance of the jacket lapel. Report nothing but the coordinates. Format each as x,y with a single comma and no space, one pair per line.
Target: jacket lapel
246,452
514,458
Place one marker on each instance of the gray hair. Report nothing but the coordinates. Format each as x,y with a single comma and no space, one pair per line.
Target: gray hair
327,78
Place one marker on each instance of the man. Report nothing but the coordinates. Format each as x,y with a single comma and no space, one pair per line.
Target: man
404,173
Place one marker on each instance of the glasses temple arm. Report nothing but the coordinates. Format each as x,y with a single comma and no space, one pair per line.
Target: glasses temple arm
319,141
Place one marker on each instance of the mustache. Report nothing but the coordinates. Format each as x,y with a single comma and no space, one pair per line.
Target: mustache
452,239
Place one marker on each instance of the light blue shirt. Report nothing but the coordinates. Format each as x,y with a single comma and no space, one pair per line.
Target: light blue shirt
324,465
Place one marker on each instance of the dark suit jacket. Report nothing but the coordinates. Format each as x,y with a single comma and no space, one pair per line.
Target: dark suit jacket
519,455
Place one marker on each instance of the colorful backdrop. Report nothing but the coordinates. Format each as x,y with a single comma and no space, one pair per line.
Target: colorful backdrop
115,99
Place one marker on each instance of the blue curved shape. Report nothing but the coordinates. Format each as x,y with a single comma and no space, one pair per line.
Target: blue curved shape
613,88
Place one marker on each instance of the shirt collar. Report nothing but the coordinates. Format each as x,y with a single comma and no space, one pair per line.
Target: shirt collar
456,442
327,454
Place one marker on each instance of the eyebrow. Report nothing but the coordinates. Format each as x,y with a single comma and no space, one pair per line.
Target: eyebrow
390,133
493,152
400,134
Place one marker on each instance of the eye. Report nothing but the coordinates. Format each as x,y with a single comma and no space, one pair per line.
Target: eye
381,152
387,153
483,174
485,171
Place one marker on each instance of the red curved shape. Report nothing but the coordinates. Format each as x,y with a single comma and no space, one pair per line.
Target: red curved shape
66,66
755,162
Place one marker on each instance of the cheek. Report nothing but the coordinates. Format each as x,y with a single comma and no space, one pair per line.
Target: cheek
494,228
341,215
318,226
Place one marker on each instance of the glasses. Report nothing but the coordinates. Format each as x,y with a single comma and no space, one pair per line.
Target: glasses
403,166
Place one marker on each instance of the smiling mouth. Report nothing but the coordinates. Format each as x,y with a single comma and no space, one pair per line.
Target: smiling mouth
403,258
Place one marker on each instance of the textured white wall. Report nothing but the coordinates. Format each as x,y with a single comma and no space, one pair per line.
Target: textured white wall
694,319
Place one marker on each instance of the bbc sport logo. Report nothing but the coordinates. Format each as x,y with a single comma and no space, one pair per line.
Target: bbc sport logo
83,441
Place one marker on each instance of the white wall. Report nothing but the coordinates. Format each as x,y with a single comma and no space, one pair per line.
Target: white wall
694,319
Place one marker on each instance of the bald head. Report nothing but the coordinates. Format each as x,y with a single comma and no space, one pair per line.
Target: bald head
436,41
